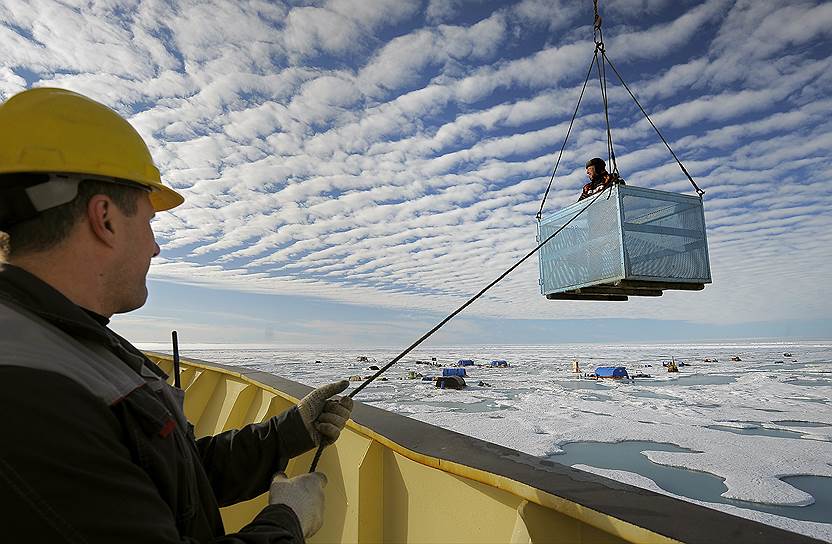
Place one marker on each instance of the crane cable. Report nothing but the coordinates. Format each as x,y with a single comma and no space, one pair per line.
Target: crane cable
600,63
699,191
568,132
598,38
451,316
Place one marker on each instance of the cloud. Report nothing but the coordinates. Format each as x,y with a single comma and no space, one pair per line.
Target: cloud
555,15
339,27
393,154
660,39
402,62
769,29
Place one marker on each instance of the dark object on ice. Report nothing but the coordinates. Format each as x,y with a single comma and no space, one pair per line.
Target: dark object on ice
433,358
362,359
707,360
428,378
454,372
501,363
778,362
736,358
373,367
613,372
787,354
450,382
484,384
683,364
317,361
465,362
641,375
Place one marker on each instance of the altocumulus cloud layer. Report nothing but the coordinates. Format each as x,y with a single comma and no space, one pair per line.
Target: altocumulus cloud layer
394,153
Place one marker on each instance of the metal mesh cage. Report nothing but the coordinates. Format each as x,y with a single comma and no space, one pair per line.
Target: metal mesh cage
587,251
628,235
664,236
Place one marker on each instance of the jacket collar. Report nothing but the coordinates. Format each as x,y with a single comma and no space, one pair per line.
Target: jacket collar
30,292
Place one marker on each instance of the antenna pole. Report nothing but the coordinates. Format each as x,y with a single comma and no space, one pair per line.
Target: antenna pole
175,339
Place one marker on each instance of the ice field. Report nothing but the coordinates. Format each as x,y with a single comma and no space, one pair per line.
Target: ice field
752,437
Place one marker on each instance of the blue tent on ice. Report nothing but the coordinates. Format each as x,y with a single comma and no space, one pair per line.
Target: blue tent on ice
614,372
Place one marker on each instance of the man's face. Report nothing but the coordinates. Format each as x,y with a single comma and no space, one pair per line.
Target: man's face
590,172
137,246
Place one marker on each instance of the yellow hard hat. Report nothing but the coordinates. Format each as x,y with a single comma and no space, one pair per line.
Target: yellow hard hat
53,131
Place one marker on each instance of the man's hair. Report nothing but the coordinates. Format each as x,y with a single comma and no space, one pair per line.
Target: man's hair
51,227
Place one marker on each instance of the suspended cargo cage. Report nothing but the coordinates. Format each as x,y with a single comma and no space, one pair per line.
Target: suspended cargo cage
630,242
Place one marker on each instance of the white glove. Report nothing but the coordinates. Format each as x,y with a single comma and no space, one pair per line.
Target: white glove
304,494
324,417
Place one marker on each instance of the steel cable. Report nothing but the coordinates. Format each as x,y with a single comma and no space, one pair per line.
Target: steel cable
451,316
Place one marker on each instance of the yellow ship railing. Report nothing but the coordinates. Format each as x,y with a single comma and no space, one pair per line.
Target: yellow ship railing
395,479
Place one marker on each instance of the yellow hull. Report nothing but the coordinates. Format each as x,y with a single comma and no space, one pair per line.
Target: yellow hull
393,479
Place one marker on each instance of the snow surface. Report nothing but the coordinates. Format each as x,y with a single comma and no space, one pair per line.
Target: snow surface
538,404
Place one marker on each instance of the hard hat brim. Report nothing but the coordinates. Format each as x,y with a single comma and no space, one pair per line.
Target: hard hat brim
164,198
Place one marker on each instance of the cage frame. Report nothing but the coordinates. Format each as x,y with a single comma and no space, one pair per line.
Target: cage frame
625,283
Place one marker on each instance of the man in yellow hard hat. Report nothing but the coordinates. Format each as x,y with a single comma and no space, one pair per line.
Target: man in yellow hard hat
96,447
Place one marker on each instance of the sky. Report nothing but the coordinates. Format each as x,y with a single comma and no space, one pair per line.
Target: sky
355,170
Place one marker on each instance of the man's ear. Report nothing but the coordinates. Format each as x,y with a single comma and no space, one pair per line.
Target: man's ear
101,217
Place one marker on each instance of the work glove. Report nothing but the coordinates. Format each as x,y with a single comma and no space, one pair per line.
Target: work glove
304,494
324,417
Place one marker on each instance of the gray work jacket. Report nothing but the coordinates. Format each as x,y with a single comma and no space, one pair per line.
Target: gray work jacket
95,447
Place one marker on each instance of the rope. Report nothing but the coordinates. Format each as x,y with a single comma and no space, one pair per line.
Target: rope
568,132
598,37
470,301
699,191
602,81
